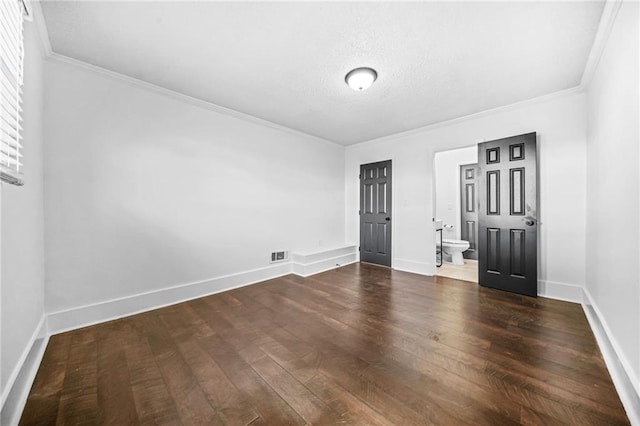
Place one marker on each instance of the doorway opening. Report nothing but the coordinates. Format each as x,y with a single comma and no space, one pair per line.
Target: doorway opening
456,213
486,203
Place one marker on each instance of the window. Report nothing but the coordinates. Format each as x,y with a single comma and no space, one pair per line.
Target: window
11,73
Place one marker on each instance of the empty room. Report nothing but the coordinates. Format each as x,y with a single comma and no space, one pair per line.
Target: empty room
360,213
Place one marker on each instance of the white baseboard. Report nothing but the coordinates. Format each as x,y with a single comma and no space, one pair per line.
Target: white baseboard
307,263
619,367
83,316
308,269
560,291
15,394
421,268
322,253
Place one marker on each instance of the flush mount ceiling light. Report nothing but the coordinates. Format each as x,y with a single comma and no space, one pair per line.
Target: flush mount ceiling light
361,79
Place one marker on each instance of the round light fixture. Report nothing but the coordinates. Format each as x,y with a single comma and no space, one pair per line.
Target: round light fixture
361,78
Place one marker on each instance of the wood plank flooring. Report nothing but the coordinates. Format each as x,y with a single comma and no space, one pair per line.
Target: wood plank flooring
360,345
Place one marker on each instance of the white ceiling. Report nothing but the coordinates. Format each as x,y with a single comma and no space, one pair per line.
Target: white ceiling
286,62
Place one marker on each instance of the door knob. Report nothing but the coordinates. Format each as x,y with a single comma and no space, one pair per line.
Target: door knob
387,219
529,222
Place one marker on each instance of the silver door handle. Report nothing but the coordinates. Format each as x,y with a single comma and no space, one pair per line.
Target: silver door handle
529,222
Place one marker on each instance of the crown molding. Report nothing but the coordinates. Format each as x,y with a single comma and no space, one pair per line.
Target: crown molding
41,26
140,84
608,18
605,26
52,56
501,109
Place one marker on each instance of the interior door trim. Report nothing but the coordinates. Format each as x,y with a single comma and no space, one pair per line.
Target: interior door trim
382,219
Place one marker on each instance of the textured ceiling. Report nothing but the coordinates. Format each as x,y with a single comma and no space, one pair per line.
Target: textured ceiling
286,62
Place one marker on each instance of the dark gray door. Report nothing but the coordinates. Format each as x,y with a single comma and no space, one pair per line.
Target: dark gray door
468,209
507,219
375,213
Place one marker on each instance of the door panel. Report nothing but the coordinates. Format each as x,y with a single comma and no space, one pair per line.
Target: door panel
368,198
375,213
516,191
468,208
517,246
471,237
507,214
493,250
493,192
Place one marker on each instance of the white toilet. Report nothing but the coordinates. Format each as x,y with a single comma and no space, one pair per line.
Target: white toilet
455,249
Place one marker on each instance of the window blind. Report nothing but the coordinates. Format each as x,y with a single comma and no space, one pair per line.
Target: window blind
11,74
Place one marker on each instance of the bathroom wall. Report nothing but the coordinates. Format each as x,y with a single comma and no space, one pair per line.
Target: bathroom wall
446,170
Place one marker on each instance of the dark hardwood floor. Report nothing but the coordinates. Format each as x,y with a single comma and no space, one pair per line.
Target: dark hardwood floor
357,345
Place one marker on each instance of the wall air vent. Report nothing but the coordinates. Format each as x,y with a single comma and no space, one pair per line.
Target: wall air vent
279,256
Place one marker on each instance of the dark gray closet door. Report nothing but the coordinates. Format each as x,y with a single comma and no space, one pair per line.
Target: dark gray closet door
507,216
375,213
469,209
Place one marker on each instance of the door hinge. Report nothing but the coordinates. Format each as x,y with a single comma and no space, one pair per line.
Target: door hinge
360,176
358,248
359,211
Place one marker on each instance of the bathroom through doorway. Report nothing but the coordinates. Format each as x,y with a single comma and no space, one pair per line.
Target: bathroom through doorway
456,216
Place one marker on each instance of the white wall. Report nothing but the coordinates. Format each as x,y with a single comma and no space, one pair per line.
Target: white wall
145,192
446,170
559,123
613,188
22,262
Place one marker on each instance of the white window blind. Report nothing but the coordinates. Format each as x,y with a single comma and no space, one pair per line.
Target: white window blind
11,73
